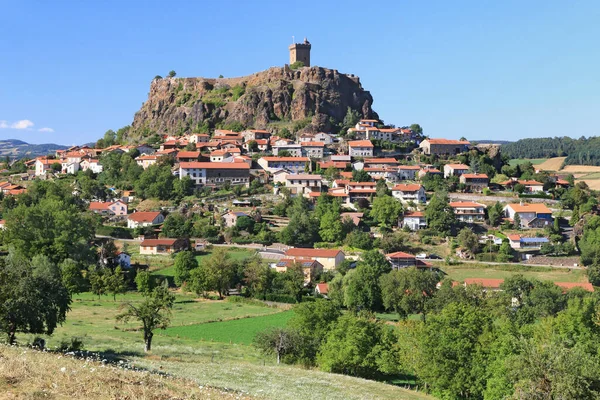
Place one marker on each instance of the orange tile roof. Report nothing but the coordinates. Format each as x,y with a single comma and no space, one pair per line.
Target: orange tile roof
409,167
362,183
323,288
214,165
475,176
362,190
312,144
514,237
286,159
406,187
414,214
360,143
486,283
570,285
459,204
530,207
400,254
188,154
458,166
158,242
381,161
147,216
325,253
447,141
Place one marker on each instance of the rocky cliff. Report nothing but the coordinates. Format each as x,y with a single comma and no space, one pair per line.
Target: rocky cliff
306,99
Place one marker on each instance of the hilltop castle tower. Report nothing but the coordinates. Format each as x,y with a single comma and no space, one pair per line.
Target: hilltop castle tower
300,52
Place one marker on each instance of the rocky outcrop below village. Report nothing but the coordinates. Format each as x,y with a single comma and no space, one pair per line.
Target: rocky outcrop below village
305,99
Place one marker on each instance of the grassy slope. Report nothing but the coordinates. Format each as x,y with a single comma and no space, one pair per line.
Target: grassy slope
236,254
28,374
282,382
535,161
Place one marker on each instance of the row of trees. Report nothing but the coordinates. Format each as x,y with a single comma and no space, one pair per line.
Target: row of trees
529,340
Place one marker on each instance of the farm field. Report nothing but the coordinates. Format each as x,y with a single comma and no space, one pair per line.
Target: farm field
551,164
239,331
464,271
94,321
534,161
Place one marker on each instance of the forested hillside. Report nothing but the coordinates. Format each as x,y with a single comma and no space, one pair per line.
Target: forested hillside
582,151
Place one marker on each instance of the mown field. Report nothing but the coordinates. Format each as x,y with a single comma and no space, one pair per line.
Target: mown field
235,253
535,161
464,271
239,331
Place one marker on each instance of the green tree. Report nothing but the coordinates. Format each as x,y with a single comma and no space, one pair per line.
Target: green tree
258,277
276,341
439,215
33,298
154,312
51,227
115,282
172,74
219,271
312,322
361,285
331,229
185,261
386,210
145,282
356,346
448,347
72,278
468,240
293,280
495,214
416,128
505,253
360,175
406,291
297,65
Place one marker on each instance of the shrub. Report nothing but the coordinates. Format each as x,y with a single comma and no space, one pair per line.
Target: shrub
73,344
280,298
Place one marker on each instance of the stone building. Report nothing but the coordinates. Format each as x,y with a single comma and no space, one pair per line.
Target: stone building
300,52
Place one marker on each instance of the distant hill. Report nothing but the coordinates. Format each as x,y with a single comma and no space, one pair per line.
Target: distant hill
582,151
19,149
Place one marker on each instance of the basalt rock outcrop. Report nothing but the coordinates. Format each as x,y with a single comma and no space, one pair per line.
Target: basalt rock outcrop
306,99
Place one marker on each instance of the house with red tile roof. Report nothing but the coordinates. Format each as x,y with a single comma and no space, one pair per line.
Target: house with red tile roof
162,246
216,173
455,170
408,172
415,220
310,267
329,258
468,211
360,148
444,146
400,259
292,164
142,219
474,182
187,156
532,215
322,289
406,192
108,208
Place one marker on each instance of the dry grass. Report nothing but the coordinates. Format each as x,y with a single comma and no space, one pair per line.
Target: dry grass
581,169
594,184
29,374
551,164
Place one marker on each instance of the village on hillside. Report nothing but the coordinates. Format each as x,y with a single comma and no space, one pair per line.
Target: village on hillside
382,179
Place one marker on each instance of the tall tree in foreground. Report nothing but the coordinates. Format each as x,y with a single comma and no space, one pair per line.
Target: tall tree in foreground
185,261
439,215
154,313
33,298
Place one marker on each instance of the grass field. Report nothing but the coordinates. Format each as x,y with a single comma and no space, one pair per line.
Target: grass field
235,253
94,321
461,272
239,331
534,161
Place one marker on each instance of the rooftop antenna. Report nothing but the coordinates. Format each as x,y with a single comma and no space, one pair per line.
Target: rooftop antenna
293,39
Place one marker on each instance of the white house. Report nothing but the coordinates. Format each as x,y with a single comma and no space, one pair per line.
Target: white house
531,215
455,170
312,149
216,173
409,192
295,150
292,164
360,148
415,220
468,211
142,219
408,172
303,184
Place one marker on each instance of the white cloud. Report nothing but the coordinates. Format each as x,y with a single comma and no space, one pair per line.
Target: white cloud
3,124
22,124
50,130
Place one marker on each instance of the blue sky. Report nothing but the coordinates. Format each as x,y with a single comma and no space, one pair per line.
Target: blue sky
70,70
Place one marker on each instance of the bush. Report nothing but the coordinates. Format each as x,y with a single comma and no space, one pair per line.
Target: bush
280,298
245,300
73,344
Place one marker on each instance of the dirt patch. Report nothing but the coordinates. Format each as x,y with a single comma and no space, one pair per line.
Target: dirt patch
581,169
